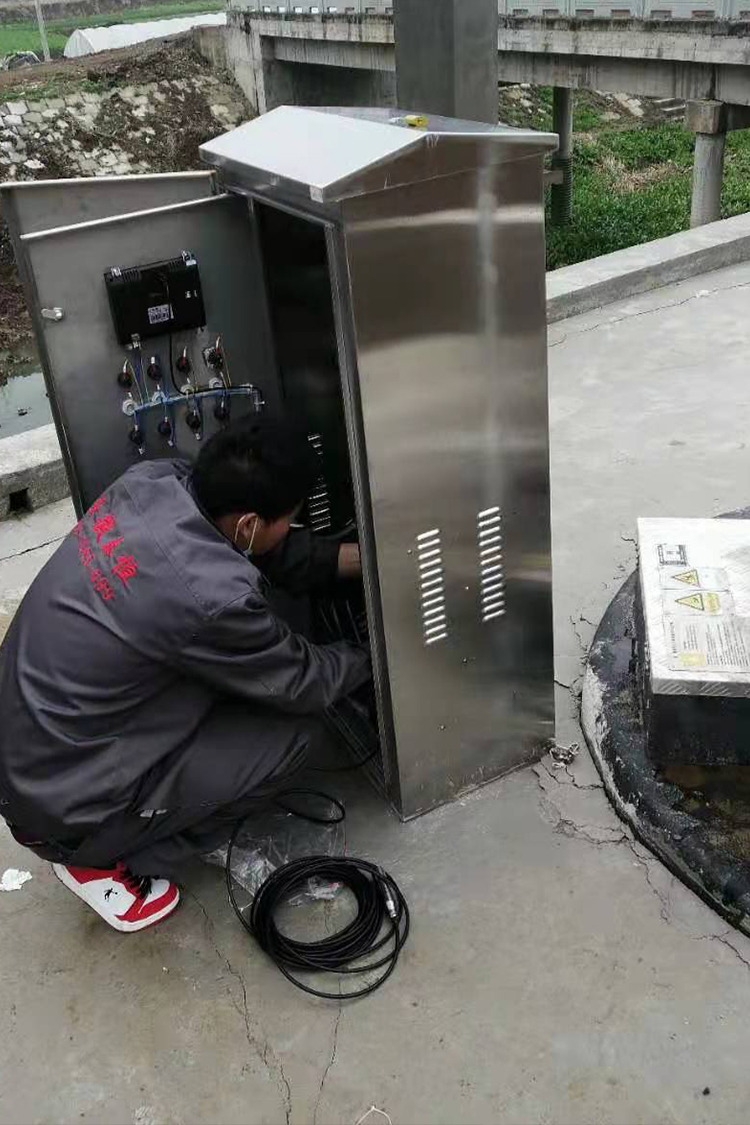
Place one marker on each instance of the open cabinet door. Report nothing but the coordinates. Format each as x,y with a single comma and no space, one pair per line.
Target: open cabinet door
35,205
114,402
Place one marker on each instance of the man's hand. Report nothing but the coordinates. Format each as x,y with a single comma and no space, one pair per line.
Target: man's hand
349,562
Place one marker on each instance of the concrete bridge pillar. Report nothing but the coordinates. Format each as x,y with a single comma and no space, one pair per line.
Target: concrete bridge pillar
708,120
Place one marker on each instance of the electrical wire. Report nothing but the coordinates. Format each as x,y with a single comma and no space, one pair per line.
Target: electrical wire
135,380
164,275
333,632
379,930
310,816
336,719
138,375
175,384
380,925
336,619
226,377
324,618
355,630
347,768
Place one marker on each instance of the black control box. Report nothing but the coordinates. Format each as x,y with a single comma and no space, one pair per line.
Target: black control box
155,299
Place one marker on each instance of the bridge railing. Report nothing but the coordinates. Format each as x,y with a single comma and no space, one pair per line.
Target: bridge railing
695,10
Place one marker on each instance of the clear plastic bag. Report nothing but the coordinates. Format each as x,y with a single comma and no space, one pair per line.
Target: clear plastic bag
275,836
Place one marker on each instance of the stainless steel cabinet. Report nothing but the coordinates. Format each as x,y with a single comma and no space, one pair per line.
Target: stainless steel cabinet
380,277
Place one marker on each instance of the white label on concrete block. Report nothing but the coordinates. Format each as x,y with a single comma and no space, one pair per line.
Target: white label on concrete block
718,644
695,587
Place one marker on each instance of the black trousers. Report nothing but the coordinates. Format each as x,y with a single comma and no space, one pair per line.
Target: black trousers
240,757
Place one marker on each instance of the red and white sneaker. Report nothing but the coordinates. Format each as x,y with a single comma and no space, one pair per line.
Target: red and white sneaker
127,902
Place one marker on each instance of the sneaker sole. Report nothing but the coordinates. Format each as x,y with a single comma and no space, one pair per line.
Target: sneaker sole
116,924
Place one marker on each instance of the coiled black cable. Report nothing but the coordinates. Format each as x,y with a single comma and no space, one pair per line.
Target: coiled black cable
379,929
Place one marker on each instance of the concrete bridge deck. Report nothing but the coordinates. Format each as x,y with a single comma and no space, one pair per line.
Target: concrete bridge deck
685,59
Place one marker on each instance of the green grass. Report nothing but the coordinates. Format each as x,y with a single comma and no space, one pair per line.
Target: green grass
25,36
643,148
605,219
56,87
633,185
585,116
585,119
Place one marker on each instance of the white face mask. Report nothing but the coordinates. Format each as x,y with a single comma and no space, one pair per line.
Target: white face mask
249,550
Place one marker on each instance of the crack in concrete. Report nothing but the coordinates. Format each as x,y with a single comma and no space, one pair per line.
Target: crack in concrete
573,686
588,786
331,1061
562,824
28,550
722,939
287,1087
700,295
555,776
264,1051
665,898
579,638
574,689
567,827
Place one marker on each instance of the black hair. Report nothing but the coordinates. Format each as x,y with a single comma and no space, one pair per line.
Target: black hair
257,465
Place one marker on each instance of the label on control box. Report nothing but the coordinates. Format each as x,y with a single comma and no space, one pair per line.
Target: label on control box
696,578
683,603
718,644
672,554
159,314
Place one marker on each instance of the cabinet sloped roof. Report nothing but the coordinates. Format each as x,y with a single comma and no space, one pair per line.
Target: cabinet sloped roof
334,153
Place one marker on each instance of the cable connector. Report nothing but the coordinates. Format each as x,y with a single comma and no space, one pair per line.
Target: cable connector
387,893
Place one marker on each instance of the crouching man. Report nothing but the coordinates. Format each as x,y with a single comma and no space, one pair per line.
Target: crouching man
149,695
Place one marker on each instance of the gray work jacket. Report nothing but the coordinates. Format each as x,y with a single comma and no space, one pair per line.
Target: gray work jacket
139,623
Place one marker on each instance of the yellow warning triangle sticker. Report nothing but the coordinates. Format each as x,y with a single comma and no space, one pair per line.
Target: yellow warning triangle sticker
693,601
689,577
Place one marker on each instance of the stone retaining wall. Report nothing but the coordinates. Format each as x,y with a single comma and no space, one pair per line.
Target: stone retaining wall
107,133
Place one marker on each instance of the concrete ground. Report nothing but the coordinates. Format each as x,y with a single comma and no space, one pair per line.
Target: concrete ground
556,972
